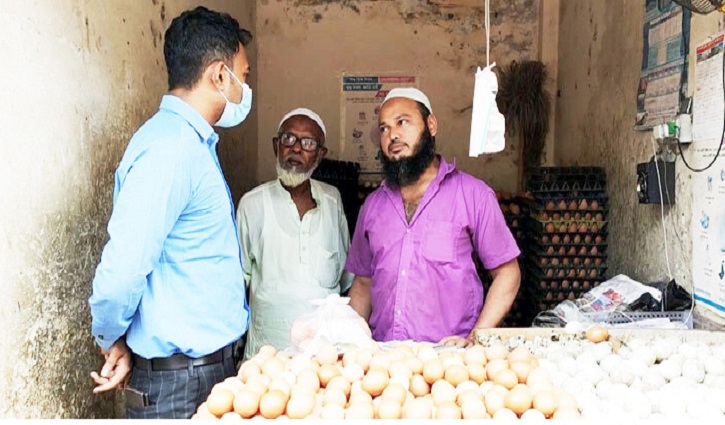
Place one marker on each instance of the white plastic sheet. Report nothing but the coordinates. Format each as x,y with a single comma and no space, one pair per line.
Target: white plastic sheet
488,125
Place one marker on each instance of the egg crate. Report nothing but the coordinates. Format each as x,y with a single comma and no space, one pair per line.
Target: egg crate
580,249
585,187
559,273
562,286
543,238
546,216
567,201
576,172
568,226
568,262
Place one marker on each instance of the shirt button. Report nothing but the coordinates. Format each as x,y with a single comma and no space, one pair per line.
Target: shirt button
397,312
403,272
407,231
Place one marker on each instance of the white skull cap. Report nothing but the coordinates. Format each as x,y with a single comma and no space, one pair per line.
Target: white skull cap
307,113
409,93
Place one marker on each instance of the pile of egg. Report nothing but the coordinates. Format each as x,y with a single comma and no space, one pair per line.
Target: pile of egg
405,381
639,378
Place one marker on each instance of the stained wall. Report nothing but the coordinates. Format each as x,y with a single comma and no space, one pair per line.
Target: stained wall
77,79
306,46
600,53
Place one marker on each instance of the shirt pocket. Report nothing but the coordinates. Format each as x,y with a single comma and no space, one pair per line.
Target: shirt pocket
325,269
440,241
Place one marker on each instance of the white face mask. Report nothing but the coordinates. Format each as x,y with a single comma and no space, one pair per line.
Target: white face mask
235,113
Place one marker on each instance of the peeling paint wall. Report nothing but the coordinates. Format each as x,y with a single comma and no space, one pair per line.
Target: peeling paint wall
77,79
600,54
306,45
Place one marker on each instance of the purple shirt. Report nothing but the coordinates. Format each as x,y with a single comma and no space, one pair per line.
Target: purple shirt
424,281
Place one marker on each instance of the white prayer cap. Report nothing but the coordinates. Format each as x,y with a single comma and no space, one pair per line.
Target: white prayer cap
409,93
307,113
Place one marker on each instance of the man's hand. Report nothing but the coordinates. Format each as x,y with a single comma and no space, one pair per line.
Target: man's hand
457,341
115,373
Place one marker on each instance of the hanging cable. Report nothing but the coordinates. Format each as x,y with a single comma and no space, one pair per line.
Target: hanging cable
488,30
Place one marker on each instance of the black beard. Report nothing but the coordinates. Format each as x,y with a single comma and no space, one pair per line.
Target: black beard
406,171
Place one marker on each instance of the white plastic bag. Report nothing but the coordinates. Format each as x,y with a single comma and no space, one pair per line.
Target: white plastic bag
488,125
332,322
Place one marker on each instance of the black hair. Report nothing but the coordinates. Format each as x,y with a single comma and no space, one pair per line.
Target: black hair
197,38
424,112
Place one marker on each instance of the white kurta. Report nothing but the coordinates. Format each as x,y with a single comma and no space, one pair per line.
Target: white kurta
288,261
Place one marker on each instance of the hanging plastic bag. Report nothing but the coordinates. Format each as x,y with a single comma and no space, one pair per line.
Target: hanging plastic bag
488,125
332,322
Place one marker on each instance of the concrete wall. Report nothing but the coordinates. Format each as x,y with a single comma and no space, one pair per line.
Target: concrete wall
600,53
77,78
306,45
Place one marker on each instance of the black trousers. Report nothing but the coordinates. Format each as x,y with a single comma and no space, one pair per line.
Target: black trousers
176,394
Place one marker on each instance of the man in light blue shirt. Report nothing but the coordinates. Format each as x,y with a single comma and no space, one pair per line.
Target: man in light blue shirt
168,295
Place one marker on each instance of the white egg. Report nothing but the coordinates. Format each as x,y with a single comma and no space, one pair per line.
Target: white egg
693,369
669,369
637,366
625,352
700,409
688,350
610,362
718,351
663,348
677,358
716,398
714,366
601,350
646,355
622,373
604,389
568,366
638,404
651,380
672,405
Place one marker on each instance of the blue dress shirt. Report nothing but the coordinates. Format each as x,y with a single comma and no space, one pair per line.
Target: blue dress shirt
170,277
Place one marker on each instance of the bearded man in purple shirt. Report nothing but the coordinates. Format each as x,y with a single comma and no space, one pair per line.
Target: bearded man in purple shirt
412,251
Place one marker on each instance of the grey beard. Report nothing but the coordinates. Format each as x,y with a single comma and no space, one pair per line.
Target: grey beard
292,178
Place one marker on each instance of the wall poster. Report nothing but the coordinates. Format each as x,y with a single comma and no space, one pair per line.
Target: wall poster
663,75
361,97
708,198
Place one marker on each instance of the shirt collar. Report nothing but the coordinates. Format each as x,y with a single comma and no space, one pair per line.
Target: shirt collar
288,197
198,123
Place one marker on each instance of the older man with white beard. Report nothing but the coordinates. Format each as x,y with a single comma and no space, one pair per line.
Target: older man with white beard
293,233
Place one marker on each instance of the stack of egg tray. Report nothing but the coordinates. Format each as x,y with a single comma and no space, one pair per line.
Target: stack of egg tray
566,231
516,212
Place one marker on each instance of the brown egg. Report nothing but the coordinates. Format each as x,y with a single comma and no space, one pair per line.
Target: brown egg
549,297
550,205
550,273
583,228
442,391
496,351
597,239
518,400
545,402
560,296
334,396
562,205
593,273
577,216
273,404
332,411
555,239
375,381
573,227
476,373
577,239
433,370
515,209
521,369
572,205
273,367
594,228
360,411
565,284
326,372
415,365
448,410
584,204
419,386
566,262
596,333
562,273
475,355
571,296
220,402
571,274
567,216
419,408
300,406
572,251
597,261
507,378
494,401
474,409
555,261
545,238
308,378
543,261
553,285
583,250
594,250
455,374
550,250
562,228
567,239
246,403
576,261
575,285
582,273
363,358
587,261
360,397
586,285
599,217
494,367
562,250
389,409
595,204
550,227
556,216
588,216
248,369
